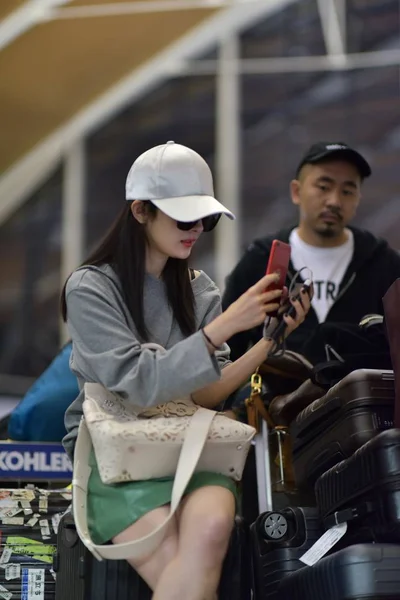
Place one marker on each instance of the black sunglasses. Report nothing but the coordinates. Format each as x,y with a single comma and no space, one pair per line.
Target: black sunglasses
208,223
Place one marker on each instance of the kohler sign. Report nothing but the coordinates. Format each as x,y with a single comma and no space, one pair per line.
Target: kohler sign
34,461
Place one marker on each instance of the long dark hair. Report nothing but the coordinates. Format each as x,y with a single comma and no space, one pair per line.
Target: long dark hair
124,248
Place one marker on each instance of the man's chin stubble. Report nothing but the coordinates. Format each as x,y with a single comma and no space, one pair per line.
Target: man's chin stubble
328,232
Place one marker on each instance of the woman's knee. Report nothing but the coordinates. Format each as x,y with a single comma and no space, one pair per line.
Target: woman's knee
206,527
214,530
150,565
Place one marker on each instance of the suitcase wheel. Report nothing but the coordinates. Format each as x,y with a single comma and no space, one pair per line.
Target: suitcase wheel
274,526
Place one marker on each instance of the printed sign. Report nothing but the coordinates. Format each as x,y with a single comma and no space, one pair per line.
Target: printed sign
34,461
32,584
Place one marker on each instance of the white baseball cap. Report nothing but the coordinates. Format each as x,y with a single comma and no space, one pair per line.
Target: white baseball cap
177,180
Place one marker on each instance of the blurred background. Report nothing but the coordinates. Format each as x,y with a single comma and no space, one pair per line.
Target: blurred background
87,85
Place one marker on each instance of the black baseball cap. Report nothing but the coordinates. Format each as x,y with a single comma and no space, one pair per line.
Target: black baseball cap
322,150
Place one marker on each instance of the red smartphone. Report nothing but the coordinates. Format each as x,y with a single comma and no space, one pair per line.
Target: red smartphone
278,263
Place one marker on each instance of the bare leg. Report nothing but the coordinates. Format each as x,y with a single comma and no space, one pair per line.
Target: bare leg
150,568
205,524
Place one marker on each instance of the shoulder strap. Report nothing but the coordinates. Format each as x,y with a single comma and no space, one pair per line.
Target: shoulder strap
192,448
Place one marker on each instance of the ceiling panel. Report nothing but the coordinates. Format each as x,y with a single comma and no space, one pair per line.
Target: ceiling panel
59,67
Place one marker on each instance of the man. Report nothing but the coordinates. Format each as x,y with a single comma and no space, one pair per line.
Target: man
352,269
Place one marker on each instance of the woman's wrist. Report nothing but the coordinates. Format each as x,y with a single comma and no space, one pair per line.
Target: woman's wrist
218,331
270,346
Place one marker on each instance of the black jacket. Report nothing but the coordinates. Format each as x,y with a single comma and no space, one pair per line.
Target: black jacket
374,267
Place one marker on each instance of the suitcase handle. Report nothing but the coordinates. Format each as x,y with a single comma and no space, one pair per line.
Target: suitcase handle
349,514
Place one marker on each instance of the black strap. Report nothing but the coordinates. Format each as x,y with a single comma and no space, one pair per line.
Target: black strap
349,514
323,374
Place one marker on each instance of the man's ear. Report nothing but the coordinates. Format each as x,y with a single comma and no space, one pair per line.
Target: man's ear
294,191
139,211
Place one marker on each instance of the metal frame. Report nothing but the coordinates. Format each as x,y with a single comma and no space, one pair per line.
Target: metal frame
297,64
228,159
21,179
24,18
131,8
73,215
333,23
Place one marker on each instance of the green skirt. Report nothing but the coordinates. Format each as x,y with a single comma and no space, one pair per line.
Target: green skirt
114,507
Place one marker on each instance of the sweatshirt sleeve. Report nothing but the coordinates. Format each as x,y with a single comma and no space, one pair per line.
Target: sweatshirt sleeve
106,351
214,309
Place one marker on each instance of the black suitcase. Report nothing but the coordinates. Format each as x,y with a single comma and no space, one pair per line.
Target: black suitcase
28,541
364,490
278,540
361,572
81,577
331,428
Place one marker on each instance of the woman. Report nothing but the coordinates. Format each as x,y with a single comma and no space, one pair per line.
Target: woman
137,287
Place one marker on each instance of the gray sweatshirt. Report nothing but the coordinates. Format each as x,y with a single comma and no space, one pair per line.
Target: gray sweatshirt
106,349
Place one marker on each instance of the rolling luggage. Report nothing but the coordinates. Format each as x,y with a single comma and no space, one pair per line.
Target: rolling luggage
364,491
28,541
81,577
360,572
278,540
331,428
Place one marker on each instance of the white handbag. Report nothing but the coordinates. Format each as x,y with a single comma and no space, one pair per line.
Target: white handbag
130,444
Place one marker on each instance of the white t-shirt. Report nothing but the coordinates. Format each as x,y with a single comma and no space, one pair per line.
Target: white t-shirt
328,266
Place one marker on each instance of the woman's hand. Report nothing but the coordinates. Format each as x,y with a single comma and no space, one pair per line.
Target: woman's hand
301,301
248,311
302,306
251,308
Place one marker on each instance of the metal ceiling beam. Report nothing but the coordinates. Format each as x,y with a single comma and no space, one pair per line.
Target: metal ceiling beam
333,18
24,18
28,173
296,64
131,8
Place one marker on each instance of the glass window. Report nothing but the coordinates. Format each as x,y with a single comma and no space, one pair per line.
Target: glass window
294,31
372,25
30,282
357,107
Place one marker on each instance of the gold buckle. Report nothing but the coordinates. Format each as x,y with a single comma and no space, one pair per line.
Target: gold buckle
256,384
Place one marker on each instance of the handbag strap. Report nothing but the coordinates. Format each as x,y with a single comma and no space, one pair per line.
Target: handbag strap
192,447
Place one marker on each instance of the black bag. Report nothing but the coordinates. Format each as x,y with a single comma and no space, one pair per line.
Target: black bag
364,491
28,541
81,577
331,428
278,540
361,572
337,349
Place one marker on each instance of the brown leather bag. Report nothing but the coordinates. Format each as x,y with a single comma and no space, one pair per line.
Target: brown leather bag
391,305
285,408
280,448
255,405
288,365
